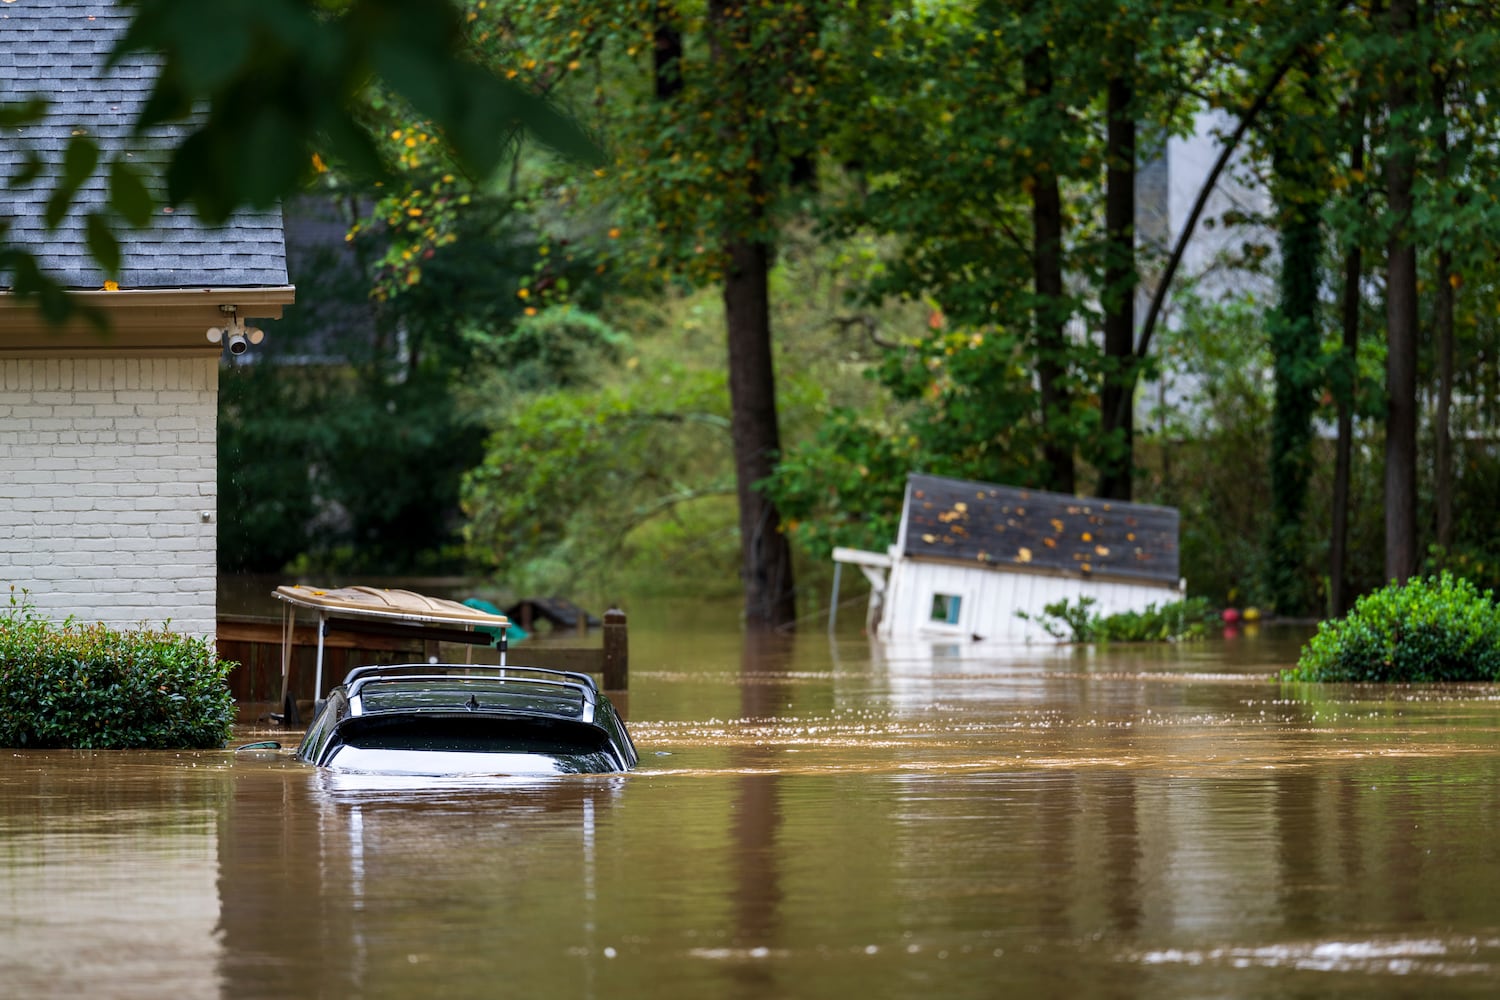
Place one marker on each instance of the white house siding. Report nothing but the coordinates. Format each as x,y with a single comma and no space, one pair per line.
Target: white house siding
991,597
1213,264
1190,159
108,488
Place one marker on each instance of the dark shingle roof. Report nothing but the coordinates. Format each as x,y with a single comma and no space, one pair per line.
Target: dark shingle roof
56,49
1002,527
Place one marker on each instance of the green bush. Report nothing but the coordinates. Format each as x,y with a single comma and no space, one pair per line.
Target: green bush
1078,622
1438,628
92,687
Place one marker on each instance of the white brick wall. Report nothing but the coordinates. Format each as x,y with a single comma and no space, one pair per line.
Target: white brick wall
107,468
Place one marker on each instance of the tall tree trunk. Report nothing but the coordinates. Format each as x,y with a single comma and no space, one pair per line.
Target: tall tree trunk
1442,485
1345,382
666,54
1118,461
1050,312
765,555
1294,338
1401,311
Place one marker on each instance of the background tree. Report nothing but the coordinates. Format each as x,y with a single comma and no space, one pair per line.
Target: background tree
963,172
1343,369
754,48
962,152
1402,109
1120,278
1294,328
706,143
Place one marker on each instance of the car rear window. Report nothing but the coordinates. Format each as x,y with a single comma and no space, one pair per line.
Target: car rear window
473,734
473,694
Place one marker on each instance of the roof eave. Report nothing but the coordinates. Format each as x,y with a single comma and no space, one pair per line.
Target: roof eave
145,320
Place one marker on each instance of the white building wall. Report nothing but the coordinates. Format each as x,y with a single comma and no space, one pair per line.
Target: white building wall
1189,161
990,598
1213,258
108,488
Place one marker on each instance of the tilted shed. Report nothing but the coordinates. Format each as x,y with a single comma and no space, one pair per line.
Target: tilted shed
108,443
970,555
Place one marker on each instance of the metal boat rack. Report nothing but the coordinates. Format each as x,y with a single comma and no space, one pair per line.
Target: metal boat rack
383,612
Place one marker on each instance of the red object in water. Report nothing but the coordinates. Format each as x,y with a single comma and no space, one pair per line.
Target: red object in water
1231,615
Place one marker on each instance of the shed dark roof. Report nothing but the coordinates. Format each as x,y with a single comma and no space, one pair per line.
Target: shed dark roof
1002,526
56,49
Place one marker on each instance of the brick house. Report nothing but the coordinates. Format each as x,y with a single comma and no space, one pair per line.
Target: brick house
108,467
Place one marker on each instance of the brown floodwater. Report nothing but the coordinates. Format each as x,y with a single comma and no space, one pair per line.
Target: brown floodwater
811,819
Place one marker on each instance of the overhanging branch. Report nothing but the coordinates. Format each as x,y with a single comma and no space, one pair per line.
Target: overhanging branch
1158,298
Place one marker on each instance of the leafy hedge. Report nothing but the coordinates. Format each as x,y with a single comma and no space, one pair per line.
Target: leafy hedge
1172,622
92,687
1438,628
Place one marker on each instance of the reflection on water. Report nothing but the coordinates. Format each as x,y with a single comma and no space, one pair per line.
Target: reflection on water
107,874
808,821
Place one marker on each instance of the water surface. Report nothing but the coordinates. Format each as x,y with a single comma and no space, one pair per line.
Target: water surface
811,819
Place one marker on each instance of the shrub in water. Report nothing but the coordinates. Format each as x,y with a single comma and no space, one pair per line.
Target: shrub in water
1080,623
92,687
1434,629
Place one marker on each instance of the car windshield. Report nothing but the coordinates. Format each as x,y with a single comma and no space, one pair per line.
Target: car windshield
472,694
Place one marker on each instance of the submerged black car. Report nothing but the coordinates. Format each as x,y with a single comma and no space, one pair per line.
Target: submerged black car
459,719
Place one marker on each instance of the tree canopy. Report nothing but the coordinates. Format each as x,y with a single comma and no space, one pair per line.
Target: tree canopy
946,238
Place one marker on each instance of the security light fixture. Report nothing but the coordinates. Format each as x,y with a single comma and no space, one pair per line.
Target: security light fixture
235,333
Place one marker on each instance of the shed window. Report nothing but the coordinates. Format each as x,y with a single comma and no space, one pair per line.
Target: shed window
945,608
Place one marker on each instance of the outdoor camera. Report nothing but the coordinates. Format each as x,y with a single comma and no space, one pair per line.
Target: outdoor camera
236,335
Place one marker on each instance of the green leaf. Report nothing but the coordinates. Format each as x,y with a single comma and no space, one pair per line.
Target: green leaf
79,161
128,194
103,246
31,168
273,160
27,112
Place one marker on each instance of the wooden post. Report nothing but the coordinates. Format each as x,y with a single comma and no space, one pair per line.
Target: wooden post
616,651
